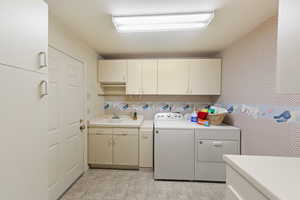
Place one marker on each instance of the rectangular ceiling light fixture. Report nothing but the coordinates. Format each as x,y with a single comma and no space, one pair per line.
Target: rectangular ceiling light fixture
154,23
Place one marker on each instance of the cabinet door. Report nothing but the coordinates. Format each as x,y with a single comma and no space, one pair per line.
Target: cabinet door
149,77
134,83
113,71
91,148
126,149
173,77
146,149
100,149
24,33
205,77
23,138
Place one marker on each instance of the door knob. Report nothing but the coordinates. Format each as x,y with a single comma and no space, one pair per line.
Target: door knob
82,127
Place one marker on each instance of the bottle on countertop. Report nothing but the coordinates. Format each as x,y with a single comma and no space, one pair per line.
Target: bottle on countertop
194,117
134,117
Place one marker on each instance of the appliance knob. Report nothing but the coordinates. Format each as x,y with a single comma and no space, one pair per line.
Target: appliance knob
156,132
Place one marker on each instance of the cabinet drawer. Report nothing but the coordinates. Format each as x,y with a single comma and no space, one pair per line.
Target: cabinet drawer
146,131
122,131
95,131
213,150
244,189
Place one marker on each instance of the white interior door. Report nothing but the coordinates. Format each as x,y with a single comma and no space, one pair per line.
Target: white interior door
66,108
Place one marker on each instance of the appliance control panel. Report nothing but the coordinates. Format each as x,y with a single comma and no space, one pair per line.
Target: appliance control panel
168,116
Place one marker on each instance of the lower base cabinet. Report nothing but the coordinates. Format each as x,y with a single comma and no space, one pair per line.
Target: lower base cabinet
100,149
113,147
125,151
146,148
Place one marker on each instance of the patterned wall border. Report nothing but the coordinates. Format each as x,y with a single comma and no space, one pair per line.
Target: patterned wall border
280,114
182,107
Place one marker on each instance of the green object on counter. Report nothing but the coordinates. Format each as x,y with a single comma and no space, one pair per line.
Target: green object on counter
211,111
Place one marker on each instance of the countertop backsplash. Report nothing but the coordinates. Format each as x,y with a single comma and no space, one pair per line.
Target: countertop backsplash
149,109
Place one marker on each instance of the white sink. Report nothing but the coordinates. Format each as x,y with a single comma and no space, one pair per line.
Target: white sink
125,121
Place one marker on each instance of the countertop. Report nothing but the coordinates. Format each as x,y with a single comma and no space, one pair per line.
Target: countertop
276,177
141,123
147,124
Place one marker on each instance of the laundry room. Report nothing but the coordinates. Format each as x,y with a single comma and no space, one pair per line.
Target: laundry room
136,99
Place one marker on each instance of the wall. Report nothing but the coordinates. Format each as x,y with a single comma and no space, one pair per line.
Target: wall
149,105
63,39
270,122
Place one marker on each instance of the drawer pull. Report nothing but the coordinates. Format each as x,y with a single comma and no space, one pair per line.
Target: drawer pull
43,88
43,59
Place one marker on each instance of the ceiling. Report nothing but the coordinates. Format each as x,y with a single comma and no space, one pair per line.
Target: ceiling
91,20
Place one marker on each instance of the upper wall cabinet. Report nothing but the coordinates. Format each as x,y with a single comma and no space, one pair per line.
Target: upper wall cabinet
149,77
113,71
288,47
24,35
173,76
134,72
164,76
142,77
205,77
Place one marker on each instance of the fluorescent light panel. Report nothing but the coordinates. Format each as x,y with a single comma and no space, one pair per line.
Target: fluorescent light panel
148,23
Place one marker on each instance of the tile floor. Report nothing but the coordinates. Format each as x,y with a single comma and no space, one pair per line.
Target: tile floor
104,184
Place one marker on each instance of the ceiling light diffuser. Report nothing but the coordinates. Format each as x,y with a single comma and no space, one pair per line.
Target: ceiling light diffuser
152,23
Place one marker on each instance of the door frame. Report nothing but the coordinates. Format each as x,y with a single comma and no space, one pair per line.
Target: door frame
65,52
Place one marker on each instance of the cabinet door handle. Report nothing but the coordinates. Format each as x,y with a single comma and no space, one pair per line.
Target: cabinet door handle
43,59
43,88
124,134
145,137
